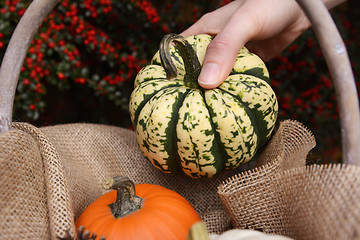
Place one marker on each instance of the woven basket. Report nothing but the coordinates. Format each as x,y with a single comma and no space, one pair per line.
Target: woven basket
50,174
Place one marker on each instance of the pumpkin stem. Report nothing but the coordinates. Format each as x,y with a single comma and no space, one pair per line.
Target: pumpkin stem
188,54
126,199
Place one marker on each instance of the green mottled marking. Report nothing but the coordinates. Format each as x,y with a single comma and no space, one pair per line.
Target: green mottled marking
259,100
258,72
195,133
155,128
230,116
144,92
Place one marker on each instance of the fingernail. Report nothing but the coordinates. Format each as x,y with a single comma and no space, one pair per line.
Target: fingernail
209,74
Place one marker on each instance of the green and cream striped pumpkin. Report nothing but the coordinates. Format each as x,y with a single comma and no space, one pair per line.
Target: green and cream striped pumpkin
182,127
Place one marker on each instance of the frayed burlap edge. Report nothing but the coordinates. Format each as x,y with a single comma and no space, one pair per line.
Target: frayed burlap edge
291,142
61,216
243,195
283,196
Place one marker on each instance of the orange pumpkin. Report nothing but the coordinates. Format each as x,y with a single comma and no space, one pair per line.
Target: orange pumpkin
143,211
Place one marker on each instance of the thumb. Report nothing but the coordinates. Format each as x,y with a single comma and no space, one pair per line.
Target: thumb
218,62
220,56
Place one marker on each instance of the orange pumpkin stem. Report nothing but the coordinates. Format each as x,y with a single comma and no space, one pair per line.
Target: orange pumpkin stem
126,200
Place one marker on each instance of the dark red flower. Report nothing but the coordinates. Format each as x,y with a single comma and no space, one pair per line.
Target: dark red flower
26,81
32,107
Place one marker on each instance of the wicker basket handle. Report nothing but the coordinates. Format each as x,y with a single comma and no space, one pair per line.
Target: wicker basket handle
325,29
338,62
15,55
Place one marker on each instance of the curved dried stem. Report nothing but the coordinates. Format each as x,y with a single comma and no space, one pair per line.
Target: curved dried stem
126,199
338,62
15,55
187,53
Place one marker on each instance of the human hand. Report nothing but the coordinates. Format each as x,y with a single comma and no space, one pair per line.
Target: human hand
266,27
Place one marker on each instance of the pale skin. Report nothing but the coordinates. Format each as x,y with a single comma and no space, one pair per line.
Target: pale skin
265,27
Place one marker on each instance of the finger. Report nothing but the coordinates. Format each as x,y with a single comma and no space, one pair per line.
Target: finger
197,28
222,51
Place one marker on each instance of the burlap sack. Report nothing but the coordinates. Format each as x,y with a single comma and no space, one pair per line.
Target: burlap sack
35,200
50,174
286,197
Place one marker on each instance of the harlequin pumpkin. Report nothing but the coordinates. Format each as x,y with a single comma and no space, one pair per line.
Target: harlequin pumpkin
182,127
142,211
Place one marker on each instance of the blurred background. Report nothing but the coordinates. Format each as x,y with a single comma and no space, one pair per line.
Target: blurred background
83,61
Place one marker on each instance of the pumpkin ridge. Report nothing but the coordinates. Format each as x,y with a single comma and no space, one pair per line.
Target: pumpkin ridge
264,116
184,162
261,129
193,117
172,148
249,113
168,145
217,140
194,149
149,97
